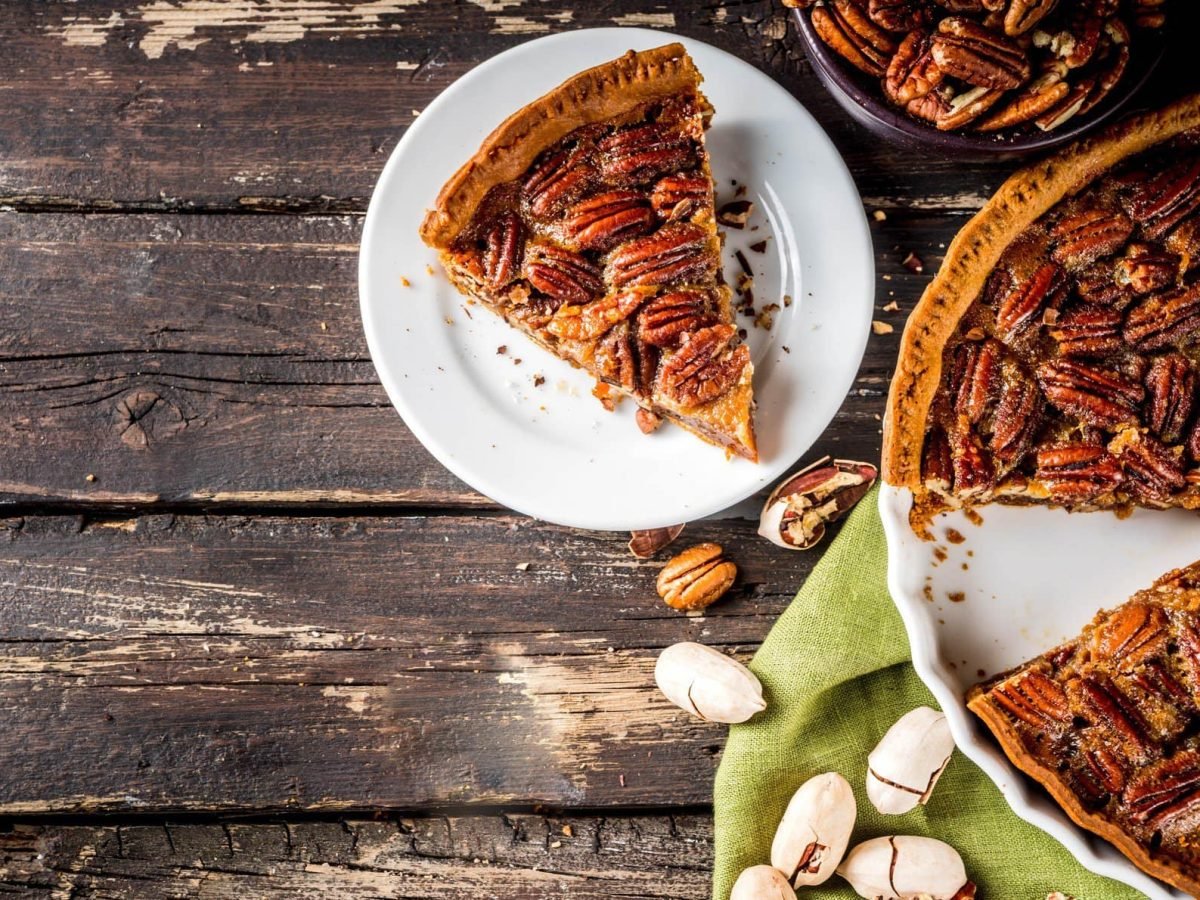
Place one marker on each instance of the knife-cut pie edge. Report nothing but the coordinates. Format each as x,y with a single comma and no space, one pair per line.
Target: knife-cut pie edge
1050,779
976,250
595,95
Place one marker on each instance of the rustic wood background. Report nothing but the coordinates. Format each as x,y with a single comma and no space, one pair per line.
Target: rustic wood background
254,640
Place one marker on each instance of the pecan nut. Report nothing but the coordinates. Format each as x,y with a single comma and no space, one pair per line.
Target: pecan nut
967,50
621,360
1166,790
1097,285
1164,319
1068,107
972,6
912,73
964,107
937,463
1099,397
1018,416
1022,15
1023,300
561,274
502,256
640,153
1171,396
1103,84
696,578
1162,201
704,367
1131,635
1034,699
1029,103
664,320
1153,471
975,378
607,219
1077,472
1089,331
849,32
692,191
554,182
898,15
1184,242
593,320
676,252
1105,705
1082,238
974,469
1146,268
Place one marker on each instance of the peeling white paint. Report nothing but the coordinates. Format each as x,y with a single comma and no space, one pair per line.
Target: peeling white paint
90,32
355,698
647,20
518,25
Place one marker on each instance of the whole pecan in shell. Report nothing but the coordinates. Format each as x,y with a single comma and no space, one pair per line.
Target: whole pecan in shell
1083,237
912,73
1163,319
1099,397
676,252
1170,396
847,28
665,319
505,240
704,367
967,50
605,220
561,274
637,154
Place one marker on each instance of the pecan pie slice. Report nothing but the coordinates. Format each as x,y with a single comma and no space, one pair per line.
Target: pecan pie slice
587,221
1053,359
1107,723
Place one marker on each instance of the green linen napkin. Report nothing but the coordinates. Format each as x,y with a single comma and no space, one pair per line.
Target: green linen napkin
835,671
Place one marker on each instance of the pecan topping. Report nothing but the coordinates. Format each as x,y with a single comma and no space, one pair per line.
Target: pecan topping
1083,238
972,6
974,471
1163,201
1166,790
1096,284
606,220
1106,769
586,323
502,255
555,181
1153,471
675,253
1131,635
617,360
912,73
1146,268
1184,241
937,465
967,50
704,368
640,153
849,31
1089,331
1099,397
562,274
647,423
1155,678
1162,319
1034,699
671,191
1104,704
1077,472
976,374
1018,415
664,320
1024,14
1170,397
898,15
1024,300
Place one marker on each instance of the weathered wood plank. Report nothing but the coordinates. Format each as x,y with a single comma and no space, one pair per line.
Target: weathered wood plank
286,105
444,857
218,359
190,663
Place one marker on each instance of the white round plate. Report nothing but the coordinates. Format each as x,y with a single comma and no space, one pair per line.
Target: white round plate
551,451
1029,578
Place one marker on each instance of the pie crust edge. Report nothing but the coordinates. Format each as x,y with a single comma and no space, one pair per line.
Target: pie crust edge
1049,779
594,95
973,255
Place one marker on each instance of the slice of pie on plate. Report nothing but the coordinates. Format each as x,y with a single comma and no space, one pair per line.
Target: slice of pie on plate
587,221
1053,359
1107,723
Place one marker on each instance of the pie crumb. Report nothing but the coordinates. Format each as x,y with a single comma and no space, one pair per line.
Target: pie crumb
881,327
891,307
405,282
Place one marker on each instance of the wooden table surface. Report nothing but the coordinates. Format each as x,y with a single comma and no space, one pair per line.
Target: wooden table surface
254,640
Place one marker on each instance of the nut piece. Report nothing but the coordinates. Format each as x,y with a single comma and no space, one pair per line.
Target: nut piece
903,769
845,26
797,511
906,868
815,830
645,544
696,578
708,684
912,73
965,49
761,883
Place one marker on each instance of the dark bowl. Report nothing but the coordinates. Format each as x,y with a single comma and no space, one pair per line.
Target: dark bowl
860,95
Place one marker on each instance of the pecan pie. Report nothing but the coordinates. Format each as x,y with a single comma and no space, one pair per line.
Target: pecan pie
1053,359
587,221
1108,724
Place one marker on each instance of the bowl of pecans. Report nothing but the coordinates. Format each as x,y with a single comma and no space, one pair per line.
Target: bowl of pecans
989,78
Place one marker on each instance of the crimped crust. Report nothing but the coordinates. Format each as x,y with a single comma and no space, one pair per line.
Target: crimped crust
1175,582
974,253
595,95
